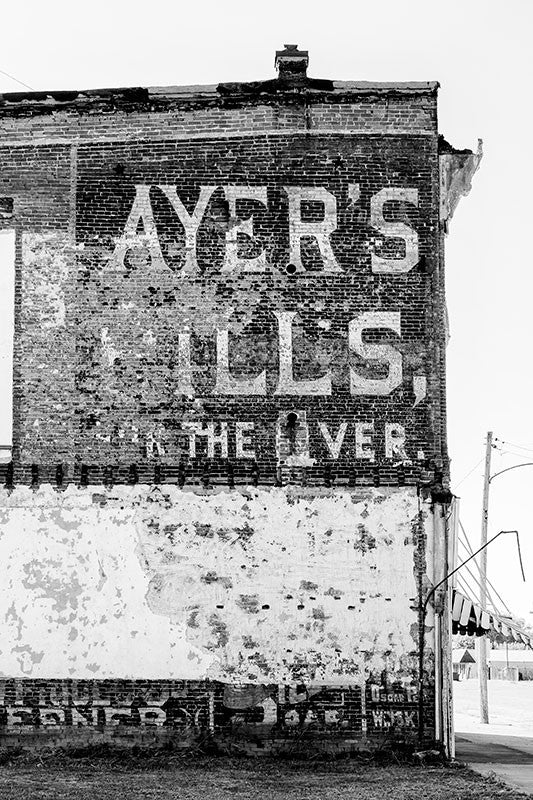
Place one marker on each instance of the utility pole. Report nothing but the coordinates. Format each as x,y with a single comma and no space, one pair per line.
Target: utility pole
482,640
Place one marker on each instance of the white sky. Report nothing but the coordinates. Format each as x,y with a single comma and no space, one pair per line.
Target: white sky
479,50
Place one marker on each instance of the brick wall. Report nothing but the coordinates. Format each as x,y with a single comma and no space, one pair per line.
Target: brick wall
135,338
218,287
251,719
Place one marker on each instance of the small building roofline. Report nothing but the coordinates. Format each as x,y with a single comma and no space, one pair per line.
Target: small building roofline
291,82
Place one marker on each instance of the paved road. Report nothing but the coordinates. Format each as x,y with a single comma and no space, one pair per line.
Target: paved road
509,757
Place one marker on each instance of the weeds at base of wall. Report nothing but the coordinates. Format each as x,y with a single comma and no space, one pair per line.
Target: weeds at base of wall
391,749
205,752
111,756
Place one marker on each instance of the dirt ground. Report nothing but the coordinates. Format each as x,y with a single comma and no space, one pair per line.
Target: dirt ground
217,779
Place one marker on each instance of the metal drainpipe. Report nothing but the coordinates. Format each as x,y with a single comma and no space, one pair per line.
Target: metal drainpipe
438,678
440,523
421,637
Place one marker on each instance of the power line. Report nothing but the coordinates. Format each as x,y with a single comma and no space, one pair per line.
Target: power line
16,80
512,444
468,474
508,452
516,455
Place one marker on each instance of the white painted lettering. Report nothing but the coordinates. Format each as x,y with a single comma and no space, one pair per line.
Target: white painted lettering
363,440
374,692
184,385
190,222
287,384
320,231
419,388
334,445
141,212
379,719
232,261
81,718
19,715
395,441
384,353
195,429
119,715
394,230
52,716
225,382
242,433
409,718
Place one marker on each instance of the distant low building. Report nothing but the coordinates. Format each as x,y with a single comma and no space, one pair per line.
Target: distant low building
505,664
464,664
513,665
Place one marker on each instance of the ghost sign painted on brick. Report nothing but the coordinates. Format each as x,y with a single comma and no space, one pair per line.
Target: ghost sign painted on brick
257,299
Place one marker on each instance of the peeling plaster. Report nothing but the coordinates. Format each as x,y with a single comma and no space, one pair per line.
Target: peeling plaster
457,168
257,586
46,261
109,351
45,339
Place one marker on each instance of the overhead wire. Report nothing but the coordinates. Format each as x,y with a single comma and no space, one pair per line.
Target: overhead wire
468,474
12,77
513,444
504,448
516,455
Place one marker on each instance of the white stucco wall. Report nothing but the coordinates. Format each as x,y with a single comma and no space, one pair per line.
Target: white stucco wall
243,586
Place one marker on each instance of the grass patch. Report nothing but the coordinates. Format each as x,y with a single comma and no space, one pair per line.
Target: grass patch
244,779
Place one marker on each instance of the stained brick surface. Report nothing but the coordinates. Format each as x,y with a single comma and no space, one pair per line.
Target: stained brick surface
109,332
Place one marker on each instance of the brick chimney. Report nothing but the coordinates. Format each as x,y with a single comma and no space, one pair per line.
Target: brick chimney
291,64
